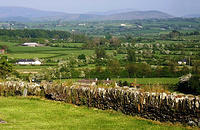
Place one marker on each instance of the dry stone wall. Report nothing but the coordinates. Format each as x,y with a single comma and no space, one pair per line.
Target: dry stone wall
155,106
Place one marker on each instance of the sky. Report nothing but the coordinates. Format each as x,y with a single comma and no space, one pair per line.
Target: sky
173,7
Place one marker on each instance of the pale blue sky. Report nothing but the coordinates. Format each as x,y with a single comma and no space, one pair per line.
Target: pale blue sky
174,7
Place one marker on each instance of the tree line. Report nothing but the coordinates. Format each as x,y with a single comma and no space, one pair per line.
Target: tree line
35,33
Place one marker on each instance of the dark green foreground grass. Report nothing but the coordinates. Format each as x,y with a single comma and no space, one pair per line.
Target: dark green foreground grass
34,113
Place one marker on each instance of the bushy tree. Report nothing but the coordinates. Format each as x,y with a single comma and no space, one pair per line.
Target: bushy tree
82,57
131,55
174,34
196,67
99,73
100,52
6,68
114,68
5,47
115,42
138,70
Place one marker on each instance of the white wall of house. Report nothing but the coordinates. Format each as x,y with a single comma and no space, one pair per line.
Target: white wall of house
37,62
30,63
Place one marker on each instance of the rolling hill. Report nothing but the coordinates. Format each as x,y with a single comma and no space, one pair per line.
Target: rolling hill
118,11
138,15
28,14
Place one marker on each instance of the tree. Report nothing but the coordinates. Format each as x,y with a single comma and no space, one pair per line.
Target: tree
172,67
131,55
138,70
100,53
5,47
82,57
108,36
174,34
196,67
6,69
196,33
131,69
99,73
145,70
129,38
48,74
114,68
198,55
114,41
92,43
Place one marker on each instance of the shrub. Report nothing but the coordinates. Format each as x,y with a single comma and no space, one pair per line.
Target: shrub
189,84
82,57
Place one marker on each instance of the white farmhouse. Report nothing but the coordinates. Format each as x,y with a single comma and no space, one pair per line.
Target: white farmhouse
28,62
140,26
123,25
82,24
30,44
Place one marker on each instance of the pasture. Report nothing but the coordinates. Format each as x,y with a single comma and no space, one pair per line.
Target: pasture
145,81
35,113
15,51
46,52
23,52
151,81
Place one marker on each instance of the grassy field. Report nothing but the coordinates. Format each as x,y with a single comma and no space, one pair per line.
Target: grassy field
150,80
167,81
23,52
34,113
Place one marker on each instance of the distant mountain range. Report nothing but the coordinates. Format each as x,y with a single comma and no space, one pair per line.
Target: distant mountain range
28,14
192,16
113,11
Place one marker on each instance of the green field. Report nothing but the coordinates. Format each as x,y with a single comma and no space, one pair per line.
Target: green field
22,52
146,81
46,52
150,80
34,113
15,51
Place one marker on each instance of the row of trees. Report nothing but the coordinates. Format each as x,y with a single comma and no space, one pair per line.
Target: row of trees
133,70
35,33
176,34
112,70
